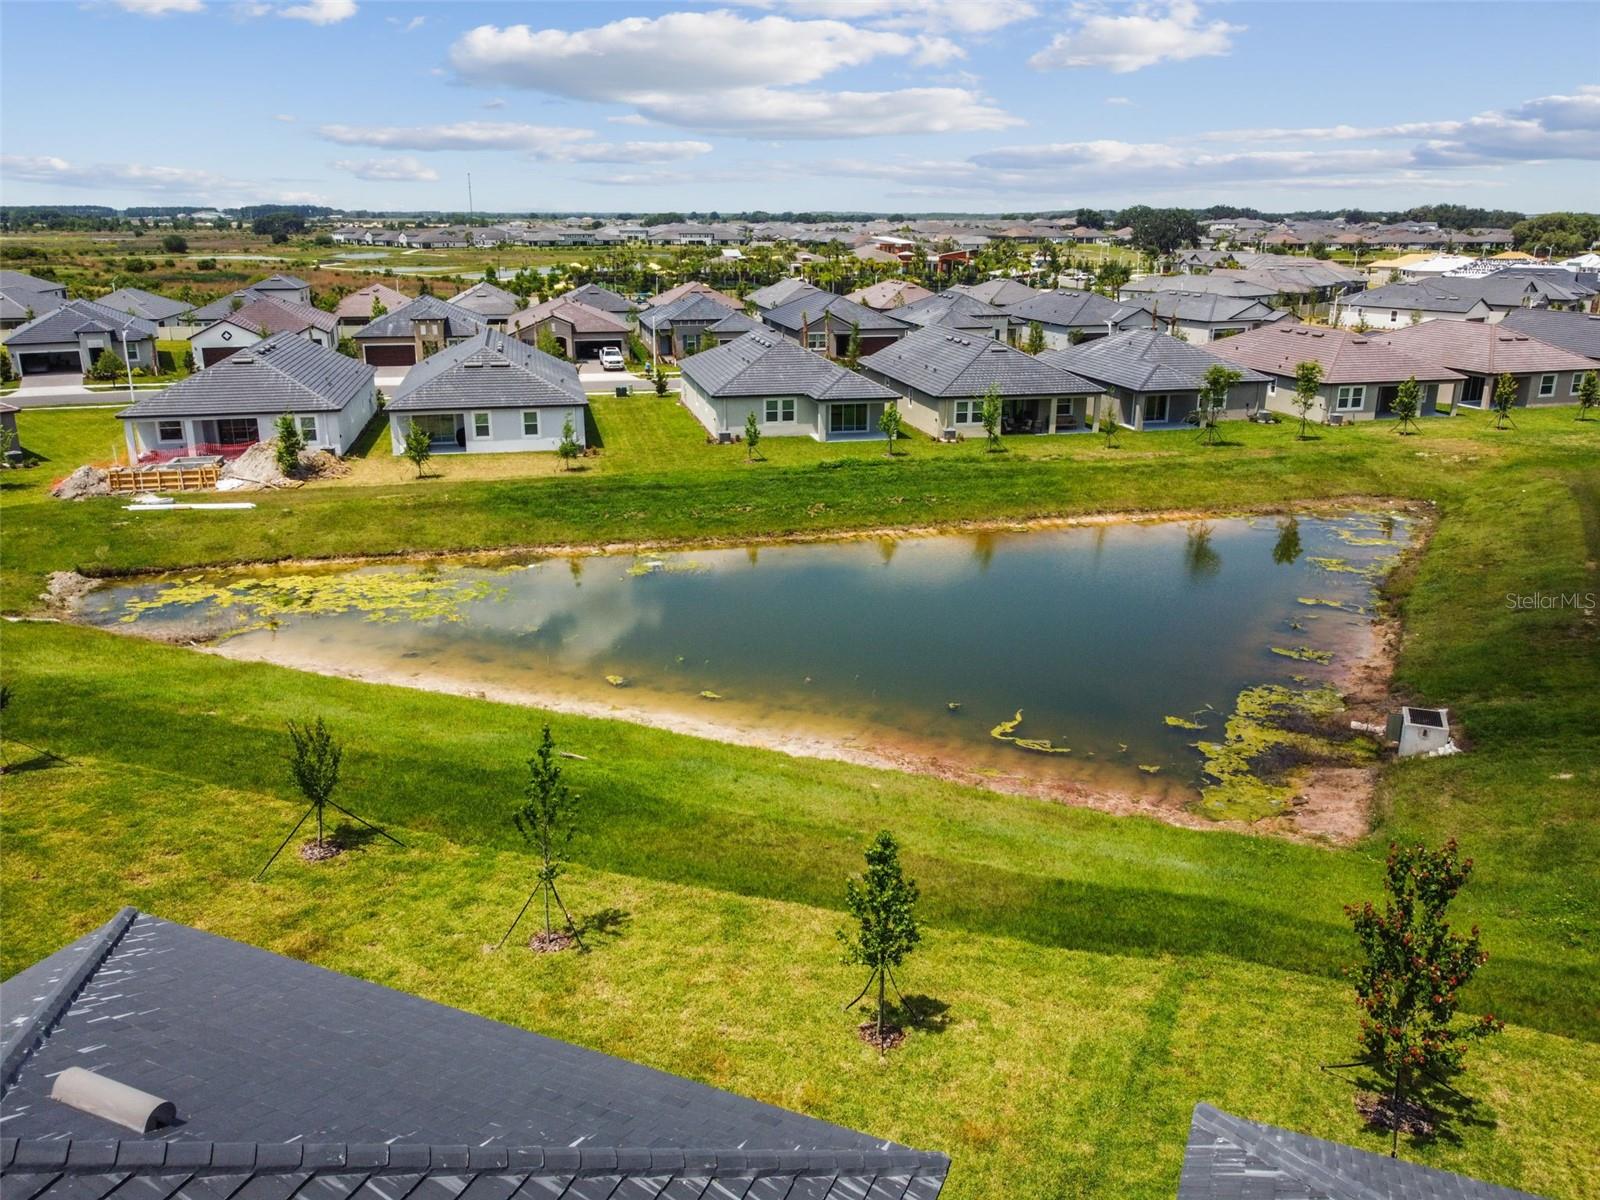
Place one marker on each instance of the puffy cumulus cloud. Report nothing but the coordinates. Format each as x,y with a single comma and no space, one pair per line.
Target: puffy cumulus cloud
724,72
402,169
160,8
552,143
1148,35
940,16
160,180
320,12
635,152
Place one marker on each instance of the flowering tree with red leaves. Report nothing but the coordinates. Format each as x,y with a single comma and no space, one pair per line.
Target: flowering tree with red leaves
1409,984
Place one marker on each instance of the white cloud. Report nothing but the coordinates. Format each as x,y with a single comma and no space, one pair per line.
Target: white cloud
404,169
544,142
404,26
160,8
634,152
944,16
1118,101
180,183
286,118
795,115
1149,34
629,119
320,12
497,102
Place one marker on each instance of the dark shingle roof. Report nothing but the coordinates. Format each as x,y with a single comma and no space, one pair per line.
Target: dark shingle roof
737,323
294,1081
282,316
80,316
1069,309
1003,292
459,323
280,283
222,307
939,362
1346,357
837,312
486,300
282,373
1143,360
596,296
582,317
781,292
489,370
1230,1158
144,304
1482,348
764,364
953,310
1575,331
1202,307
688,309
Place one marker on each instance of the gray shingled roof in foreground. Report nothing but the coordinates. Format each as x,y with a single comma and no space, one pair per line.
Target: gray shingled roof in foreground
489,370
294,1081
459,322
279,374
940,362
1230,1158
764,364
1143,360
79,316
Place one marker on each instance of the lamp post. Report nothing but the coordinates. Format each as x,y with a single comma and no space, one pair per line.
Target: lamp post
127,361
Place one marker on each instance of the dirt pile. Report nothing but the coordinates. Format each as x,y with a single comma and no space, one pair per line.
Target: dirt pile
257,468
85,481
64,589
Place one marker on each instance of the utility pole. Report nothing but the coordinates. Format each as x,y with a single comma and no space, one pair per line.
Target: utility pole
470,213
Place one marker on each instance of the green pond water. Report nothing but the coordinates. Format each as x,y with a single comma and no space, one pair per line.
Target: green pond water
1120,645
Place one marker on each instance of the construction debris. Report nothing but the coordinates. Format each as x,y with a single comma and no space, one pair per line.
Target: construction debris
84,482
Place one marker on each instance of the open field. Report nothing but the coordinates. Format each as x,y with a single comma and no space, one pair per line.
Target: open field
1101,974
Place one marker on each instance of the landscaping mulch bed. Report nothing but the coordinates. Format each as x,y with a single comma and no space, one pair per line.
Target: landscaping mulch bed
1380,1112
893,1035
551,943
311,852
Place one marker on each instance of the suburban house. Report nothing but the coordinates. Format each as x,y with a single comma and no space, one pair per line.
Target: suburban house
164,311
1545,374
693,287
1361,375
683,326
72,336
275,287
780,293
888,294
1200,317
825,323
1577,332
1002,293
228,407
792,391
492,305
942,378
1067,316
489,394
410,333
581,332
237,1049
1154,379
1397,305
604,299
258,320
732,326
355,309
957,310
24,297
283,287
1228,1157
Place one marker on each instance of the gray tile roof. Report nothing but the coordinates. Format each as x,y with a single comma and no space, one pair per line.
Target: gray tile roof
1575,331
488,370
690,308
279,283
279,374
487,300
940,362
1002,292
737,323
582,317
29,283
459,323
222,306
1482,348
835,312
144,304
781,292
596,296
1203,308
1216,285
294,1081
16,302
80,316
282,316
1068,309
1143,360
764,364
1230,1158
953,310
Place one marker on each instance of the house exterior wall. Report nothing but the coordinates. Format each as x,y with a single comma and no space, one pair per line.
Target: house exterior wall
1133,407
222,335
505,428
728,415
1280,399
336,432
1351,315
1528,387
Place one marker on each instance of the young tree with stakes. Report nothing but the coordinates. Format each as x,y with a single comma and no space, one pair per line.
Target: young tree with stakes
547,819
889,425
568,448
991,417
1108,427
418,447
1307,381
1505,399
752,435
883,903
1413,968
1588,394
289,444
1213,400
1407,403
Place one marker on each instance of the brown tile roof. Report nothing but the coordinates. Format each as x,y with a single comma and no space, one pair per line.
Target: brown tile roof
694,285
1346,357
1484,349
581,317
358,304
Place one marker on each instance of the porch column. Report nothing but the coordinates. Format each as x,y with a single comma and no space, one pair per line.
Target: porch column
1138,414
189,439
1050,422
132,435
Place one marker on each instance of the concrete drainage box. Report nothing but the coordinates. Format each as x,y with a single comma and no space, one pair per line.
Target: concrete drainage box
1419,730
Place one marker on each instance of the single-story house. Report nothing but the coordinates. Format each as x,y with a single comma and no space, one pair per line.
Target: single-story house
1545,374
581,332
24,297
889,294
1067,316
942,378
489,394
230,406
1154,379
71,337
957,310
1397,305
780,293
604,299
355,310
1229,1156
1199,317
258,320
793,392
237,1050
492,305
283,287
692,287
163,310
410,333
1361,375
1578,332
825,323
678,328
1002,293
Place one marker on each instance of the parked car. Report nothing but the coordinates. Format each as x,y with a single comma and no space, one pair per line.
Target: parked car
611,358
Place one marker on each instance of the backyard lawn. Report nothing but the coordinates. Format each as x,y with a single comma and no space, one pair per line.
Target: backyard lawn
1086,978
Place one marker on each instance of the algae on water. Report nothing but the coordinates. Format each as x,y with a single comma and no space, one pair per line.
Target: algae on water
1303,653
1006,731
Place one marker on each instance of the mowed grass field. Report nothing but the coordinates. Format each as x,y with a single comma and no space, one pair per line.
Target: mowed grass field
1088,978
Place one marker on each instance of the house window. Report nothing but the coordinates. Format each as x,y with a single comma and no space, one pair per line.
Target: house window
691,343
1350,399
236,431
780,409
817,341
308,428
1272,386
1547,385
480,425
847,418
1065,417
169,431
969,412
1394,316
1155,409
1577,381
530,423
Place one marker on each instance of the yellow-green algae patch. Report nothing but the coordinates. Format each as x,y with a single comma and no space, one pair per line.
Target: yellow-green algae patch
1303,653
1183,723
1006,731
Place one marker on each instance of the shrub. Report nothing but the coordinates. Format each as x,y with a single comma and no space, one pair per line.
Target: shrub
107,366
175,244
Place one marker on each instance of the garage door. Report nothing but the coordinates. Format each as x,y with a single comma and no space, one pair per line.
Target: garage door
215,354
871,344
389,356
41,362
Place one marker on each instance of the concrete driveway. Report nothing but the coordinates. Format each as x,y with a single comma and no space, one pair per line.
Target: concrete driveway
596,378
49,390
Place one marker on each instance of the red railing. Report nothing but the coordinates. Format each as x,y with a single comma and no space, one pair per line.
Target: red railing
228,450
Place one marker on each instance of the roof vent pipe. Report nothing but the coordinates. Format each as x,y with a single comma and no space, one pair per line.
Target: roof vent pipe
112,1101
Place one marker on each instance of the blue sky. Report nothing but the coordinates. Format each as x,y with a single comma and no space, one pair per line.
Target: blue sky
799,104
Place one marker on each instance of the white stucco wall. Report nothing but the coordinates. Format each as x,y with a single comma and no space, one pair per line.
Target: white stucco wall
505,429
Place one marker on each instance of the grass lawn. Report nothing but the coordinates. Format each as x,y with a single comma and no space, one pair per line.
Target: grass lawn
1097,976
